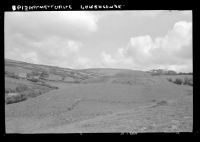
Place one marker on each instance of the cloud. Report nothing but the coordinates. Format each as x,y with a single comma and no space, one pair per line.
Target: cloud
58,38
51,51
108,59
41,25
173,51
50,38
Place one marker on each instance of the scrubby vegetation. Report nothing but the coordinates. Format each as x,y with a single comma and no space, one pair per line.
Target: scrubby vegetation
33,73
32,93
33,79
44,75
161,72
161,103
11,75
178,81
167,72
9,99
21,88
184,81
105,101
49,86
22,92
188,81
18,94
169,79
9,90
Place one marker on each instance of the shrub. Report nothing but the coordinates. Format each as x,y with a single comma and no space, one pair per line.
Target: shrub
34,73
76,81
35,93
169,79
188,81
178,81
9,90
128,82
15,98
31,93
11,75
44,75
33,79
170,72
52,87
162,103
63,78
21,88
55,87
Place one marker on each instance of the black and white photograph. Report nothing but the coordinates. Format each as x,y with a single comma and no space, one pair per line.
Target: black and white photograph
98,71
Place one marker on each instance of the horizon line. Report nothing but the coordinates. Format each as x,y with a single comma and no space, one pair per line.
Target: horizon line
94,67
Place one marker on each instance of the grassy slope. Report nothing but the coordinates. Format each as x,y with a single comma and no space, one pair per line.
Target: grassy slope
176,116
121,102
55,109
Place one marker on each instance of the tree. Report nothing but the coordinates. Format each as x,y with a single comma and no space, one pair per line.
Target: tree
170,72
178,81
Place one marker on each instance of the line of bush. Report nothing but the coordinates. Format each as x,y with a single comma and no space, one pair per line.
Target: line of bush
23,92
10,99
179,81
11,75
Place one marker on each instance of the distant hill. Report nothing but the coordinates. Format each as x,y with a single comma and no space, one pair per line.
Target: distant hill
64,74
55,73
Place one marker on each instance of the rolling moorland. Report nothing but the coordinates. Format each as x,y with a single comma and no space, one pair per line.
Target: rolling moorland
49,99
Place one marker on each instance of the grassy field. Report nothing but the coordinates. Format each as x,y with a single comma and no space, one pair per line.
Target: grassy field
104,100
